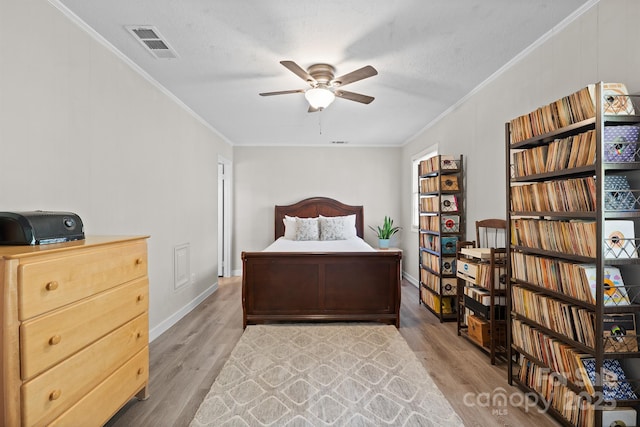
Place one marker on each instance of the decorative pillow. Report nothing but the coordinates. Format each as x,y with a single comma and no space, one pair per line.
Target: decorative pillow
289,227
307,229
332,228
337,227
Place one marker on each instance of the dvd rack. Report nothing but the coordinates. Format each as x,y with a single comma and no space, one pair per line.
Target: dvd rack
573,186
482,298
441,226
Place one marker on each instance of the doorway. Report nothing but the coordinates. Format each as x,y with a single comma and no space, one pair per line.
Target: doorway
224,217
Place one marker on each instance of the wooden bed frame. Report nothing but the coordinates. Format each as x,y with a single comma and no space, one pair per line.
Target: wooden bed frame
331,286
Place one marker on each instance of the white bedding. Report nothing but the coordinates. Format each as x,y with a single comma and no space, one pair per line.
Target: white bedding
354,244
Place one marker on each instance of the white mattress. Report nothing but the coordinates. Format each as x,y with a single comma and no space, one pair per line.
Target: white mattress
355,244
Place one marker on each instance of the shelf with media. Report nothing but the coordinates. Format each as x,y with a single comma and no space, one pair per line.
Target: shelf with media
573,197
441,226
482,298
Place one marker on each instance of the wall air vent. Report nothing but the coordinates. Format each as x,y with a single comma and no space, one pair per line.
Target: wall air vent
152,41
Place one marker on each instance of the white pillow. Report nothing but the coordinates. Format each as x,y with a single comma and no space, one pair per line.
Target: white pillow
337,227
307,229
289,227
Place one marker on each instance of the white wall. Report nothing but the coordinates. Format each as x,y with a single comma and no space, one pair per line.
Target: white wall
264,177
599,45
81,131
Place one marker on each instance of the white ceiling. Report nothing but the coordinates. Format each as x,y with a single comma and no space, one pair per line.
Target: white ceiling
429,54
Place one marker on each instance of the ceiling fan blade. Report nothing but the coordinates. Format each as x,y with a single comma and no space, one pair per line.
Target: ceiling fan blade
299,71
282,92
352,96
354,76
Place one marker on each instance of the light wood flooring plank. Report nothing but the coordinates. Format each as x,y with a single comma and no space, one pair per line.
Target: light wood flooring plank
186,359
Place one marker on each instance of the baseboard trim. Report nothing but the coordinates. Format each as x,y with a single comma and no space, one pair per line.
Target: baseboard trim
410,279
175,318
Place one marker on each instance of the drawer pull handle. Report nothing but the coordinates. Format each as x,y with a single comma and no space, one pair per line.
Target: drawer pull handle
55,340
140,371
139,261
55,394
140,298
52,286
139,335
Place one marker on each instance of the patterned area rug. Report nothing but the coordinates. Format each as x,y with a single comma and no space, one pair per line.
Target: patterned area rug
324,374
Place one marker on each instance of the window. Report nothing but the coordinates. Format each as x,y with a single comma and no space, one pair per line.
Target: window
415,195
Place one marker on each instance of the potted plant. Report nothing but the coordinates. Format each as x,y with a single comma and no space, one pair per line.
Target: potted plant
385,232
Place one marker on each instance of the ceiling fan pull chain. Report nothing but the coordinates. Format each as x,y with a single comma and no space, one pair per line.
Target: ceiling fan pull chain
320,121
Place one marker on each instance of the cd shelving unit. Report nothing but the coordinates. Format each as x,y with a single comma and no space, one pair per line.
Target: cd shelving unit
573,190
441,226
481,297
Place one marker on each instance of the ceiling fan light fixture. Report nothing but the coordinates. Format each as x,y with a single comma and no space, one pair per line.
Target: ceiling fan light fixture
324,86
319,97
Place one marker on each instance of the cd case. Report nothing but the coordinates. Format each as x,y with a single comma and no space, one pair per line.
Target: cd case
449,183
448,245
615,385
450,223
619,332
448,265
449,286
449,203
619,239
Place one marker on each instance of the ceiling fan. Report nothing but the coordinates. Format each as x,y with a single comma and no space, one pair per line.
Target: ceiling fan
324,86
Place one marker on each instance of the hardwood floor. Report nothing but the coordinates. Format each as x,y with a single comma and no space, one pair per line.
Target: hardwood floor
186,359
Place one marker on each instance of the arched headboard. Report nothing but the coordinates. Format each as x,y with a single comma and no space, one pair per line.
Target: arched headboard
314,206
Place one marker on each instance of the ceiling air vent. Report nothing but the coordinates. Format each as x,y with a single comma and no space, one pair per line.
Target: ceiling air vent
151,39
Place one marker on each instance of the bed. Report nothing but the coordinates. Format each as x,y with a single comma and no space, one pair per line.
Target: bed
325,285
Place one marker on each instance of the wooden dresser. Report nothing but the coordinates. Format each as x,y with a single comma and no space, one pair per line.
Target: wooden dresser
74,331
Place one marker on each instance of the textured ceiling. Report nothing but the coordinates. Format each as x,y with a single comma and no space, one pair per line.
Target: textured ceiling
429,54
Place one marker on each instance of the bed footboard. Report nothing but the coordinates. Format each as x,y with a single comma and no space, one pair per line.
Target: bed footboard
290,287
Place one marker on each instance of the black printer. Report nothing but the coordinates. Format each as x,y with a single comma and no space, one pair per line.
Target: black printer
39,227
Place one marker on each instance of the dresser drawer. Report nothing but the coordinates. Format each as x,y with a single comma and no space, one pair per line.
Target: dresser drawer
49,394
102,402
48,339
48,284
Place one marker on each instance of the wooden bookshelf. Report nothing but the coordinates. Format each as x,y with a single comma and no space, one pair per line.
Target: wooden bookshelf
573,214
441,226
